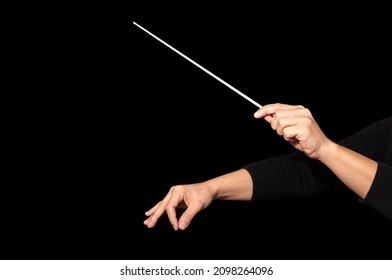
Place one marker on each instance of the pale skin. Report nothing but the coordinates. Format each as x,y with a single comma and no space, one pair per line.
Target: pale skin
297,126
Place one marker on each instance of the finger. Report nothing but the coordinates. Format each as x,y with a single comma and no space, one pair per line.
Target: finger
152,210
289,134
266,110
281,116
149,213
282,123
187,217
152,220
171,206
299,132
270,109
147,221
269,118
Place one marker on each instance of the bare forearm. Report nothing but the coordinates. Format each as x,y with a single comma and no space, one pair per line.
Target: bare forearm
236,185
355,170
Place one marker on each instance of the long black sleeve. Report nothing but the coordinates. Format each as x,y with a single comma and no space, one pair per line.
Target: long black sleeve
297,175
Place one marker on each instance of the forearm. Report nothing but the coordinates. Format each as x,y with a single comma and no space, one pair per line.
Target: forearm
356,171
236,185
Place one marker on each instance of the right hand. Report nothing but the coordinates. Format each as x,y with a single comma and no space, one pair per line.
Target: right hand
297,125
192,197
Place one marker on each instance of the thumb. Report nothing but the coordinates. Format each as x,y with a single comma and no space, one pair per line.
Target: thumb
187,217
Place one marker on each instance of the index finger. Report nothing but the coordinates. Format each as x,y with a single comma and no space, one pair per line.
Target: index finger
268,110
171,206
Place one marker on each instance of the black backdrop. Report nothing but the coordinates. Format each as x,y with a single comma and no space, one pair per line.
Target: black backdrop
128,118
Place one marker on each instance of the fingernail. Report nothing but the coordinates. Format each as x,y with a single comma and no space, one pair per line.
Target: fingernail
182,225
257,114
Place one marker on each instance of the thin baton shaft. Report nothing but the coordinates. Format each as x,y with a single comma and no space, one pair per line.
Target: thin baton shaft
201,67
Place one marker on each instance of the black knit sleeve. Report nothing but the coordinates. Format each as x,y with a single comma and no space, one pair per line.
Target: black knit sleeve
375,142
379,196
289,176
297,175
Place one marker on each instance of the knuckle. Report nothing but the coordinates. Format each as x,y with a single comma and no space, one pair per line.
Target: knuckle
168,208
198,204
307,111
308,120
176,188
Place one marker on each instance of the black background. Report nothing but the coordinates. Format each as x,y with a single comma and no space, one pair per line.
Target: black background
122,118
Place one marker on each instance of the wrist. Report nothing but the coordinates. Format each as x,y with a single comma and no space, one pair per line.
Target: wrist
213,188
328,152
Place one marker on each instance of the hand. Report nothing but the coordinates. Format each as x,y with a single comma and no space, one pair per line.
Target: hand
297,125
192,197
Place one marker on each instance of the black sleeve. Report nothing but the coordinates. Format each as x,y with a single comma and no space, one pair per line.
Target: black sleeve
289,176
296,175
379,196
